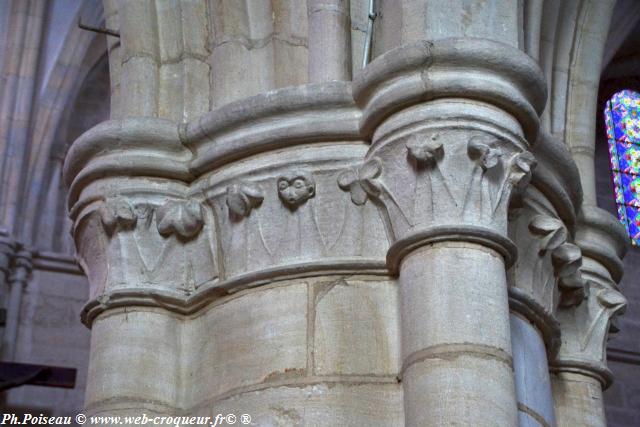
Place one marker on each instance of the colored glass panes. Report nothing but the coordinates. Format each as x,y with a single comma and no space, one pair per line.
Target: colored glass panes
622,119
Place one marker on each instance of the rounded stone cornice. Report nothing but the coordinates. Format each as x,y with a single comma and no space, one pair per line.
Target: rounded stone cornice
147,147
587,368
455,233
601,237
468,68
273,120
557,177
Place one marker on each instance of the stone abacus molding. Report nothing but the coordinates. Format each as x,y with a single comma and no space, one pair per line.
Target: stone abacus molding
189,213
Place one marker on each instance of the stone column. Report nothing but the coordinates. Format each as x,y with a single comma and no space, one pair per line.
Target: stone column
545,276
138,237
580,368
329,40
17,282
7,247
450,123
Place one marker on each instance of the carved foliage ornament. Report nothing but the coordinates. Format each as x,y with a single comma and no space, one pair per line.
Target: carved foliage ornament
243,198
117,214
183,218
566,258
361,182
438,195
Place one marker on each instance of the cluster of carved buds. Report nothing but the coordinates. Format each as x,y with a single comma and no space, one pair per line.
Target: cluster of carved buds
184,218
362,182
614,302
243,198
117,214
425,152
520,168
566,258
484,152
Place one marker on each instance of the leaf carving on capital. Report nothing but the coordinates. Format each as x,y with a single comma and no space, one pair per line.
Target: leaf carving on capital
521,168
362,181
425,151
243,198
606,303
184,218
117,214
550,231
567,260
494,178
483,151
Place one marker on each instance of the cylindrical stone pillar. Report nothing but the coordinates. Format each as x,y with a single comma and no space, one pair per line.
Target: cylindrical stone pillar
7,247
580,369
17,283
578,400
450,122
456,369
329,40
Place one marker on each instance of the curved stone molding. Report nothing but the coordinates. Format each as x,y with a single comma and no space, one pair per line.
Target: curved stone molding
323,112
134,191
603,238
125,148
476,69
557,177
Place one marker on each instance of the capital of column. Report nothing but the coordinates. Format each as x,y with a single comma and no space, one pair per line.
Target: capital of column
451,123
542,224
7,249
587,326
22,266
137,228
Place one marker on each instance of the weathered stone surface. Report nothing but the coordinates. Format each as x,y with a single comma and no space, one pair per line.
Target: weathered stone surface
251,339
259,235
533,386
349,405
121,344
356,327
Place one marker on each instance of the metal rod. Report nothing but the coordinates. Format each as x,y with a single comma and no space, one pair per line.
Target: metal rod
369,36
99,30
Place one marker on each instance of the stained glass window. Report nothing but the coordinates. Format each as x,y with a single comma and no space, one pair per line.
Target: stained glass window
622,115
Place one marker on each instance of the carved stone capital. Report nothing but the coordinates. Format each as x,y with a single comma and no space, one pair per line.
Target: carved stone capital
586,327
448,150
21,268
542,224
7,248
435,180
138,229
